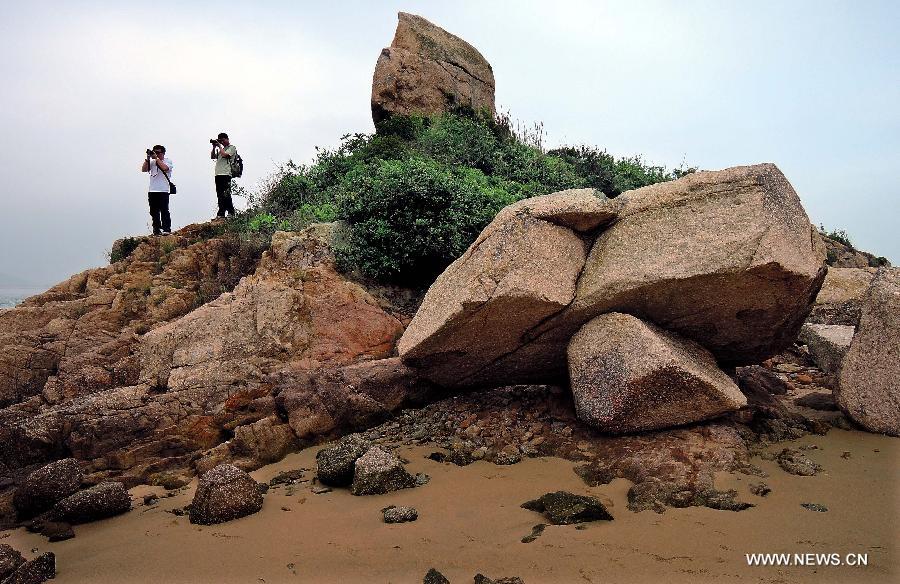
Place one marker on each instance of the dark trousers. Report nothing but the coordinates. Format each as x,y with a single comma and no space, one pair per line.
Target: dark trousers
223,193
159,211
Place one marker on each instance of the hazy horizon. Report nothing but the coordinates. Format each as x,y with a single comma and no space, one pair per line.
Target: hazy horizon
810,86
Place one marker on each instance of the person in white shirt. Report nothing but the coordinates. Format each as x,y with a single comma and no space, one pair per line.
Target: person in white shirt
160,169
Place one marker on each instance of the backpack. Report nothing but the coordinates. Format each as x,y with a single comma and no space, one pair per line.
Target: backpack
237,165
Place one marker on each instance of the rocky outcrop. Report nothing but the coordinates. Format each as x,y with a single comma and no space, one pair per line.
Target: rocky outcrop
98,502
728,259
46,486
521,271
223,494
202,378
828,344
868,387
838,302
79,337
629,376
428,71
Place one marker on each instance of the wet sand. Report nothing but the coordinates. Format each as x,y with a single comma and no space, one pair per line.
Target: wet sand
470,522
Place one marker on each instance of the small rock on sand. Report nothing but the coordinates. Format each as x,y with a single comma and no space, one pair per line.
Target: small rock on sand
563,508
395,514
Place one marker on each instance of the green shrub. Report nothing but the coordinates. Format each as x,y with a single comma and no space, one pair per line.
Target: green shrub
410,218
262,222
838,235
417,192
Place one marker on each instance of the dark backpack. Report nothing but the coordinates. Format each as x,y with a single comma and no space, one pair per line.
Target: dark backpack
237,165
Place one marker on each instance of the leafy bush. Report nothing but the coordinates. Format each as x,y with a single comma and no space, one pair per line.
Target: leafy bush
417,192
613,177
838,235
410,218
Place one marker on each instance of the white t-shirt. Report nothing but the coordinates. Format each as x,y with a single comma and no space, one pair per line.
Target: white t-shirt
158,183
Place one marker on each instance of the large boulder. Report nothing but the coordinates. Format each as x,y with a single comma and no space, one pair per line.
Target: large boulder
429,71
46,486
727,258
223,494
629,376
98,502
869,386
828,344
520,272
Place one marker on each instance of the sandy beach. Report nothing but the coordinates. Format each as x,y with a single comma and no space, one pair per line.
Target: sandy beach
470,522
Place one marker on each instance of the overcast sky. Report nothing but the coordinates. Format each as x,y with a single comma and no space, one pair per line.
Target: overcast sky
87,86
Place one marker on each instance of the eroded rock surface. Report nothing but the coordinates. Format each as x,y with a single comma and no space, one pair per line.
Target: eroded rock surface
428,71
869,390
349,398
628,376
208,382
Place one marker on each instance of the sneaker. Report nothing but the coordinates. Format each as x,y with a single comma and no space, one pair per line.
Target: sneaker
166,233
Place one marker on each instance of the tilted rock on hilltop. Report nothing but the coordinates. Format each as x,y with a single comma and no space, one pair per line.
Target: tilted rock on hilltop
428,71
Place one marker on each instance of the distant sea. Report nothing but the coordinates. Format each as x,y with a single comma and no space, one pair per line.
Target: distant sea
9,297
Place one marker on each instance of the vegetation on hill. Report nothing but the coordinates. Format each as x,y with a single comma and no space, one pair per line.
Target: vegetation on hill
416,193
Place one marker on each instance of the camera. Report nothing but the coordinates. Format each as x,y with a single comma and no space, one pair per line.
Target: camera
213,141
149,153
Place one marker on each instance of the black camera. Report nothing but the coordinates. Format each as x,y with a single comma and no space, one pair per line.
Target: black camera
213,141
149,153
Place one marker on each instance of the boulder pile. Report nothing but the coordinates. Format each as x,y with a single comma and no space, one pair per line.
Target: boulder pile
716,267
